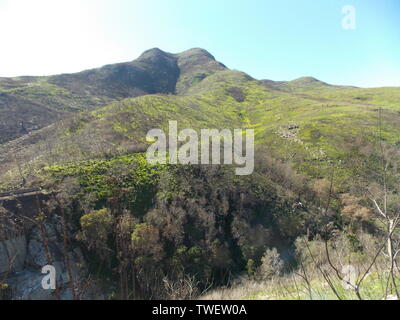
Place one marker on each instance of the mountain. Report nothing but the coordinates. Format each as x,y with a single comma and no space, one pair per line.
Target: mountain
305,121
74,151
31,103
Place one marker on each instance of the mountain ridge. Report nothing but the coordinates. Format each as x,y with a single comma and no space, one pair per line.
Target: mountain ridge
29,103
59,96
305,120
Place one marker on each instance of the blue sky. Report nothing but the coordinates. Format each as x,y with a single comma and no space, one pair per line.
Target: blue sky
278,40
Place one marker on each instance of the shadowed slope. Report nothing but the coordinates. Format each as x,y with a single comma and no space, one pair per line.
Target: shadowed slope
31,103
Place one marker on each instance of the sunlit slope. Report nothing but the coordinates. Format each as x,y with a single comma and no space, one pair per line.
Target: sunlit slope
308,123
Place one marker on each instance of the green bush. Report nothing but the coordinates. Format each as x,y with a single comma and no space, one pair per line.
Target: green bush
96,226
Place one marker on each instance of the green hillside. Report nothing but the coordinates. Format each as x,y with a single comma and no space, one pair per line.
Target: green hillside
305,122
318,150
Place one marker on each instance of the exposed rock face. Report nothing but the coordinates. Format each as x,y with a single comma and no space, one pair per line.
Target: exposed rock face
13,254
37,254
24,254
27,284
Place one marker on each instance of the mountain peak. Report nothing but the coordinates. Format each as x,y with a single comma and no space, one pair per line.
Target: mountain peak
193,52
307,81
196,52
154,52
195,64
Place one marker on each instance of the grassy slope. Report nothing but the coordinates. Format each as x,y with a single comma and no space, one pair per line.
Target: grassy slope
327,120
292,287
307,123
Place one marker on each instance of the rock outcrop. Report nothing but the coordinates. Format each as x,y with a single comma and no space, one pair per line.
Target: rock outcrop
25,248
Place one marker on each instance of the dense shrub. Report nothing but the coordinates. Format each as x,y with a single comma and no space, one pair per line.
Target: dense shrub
202,223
